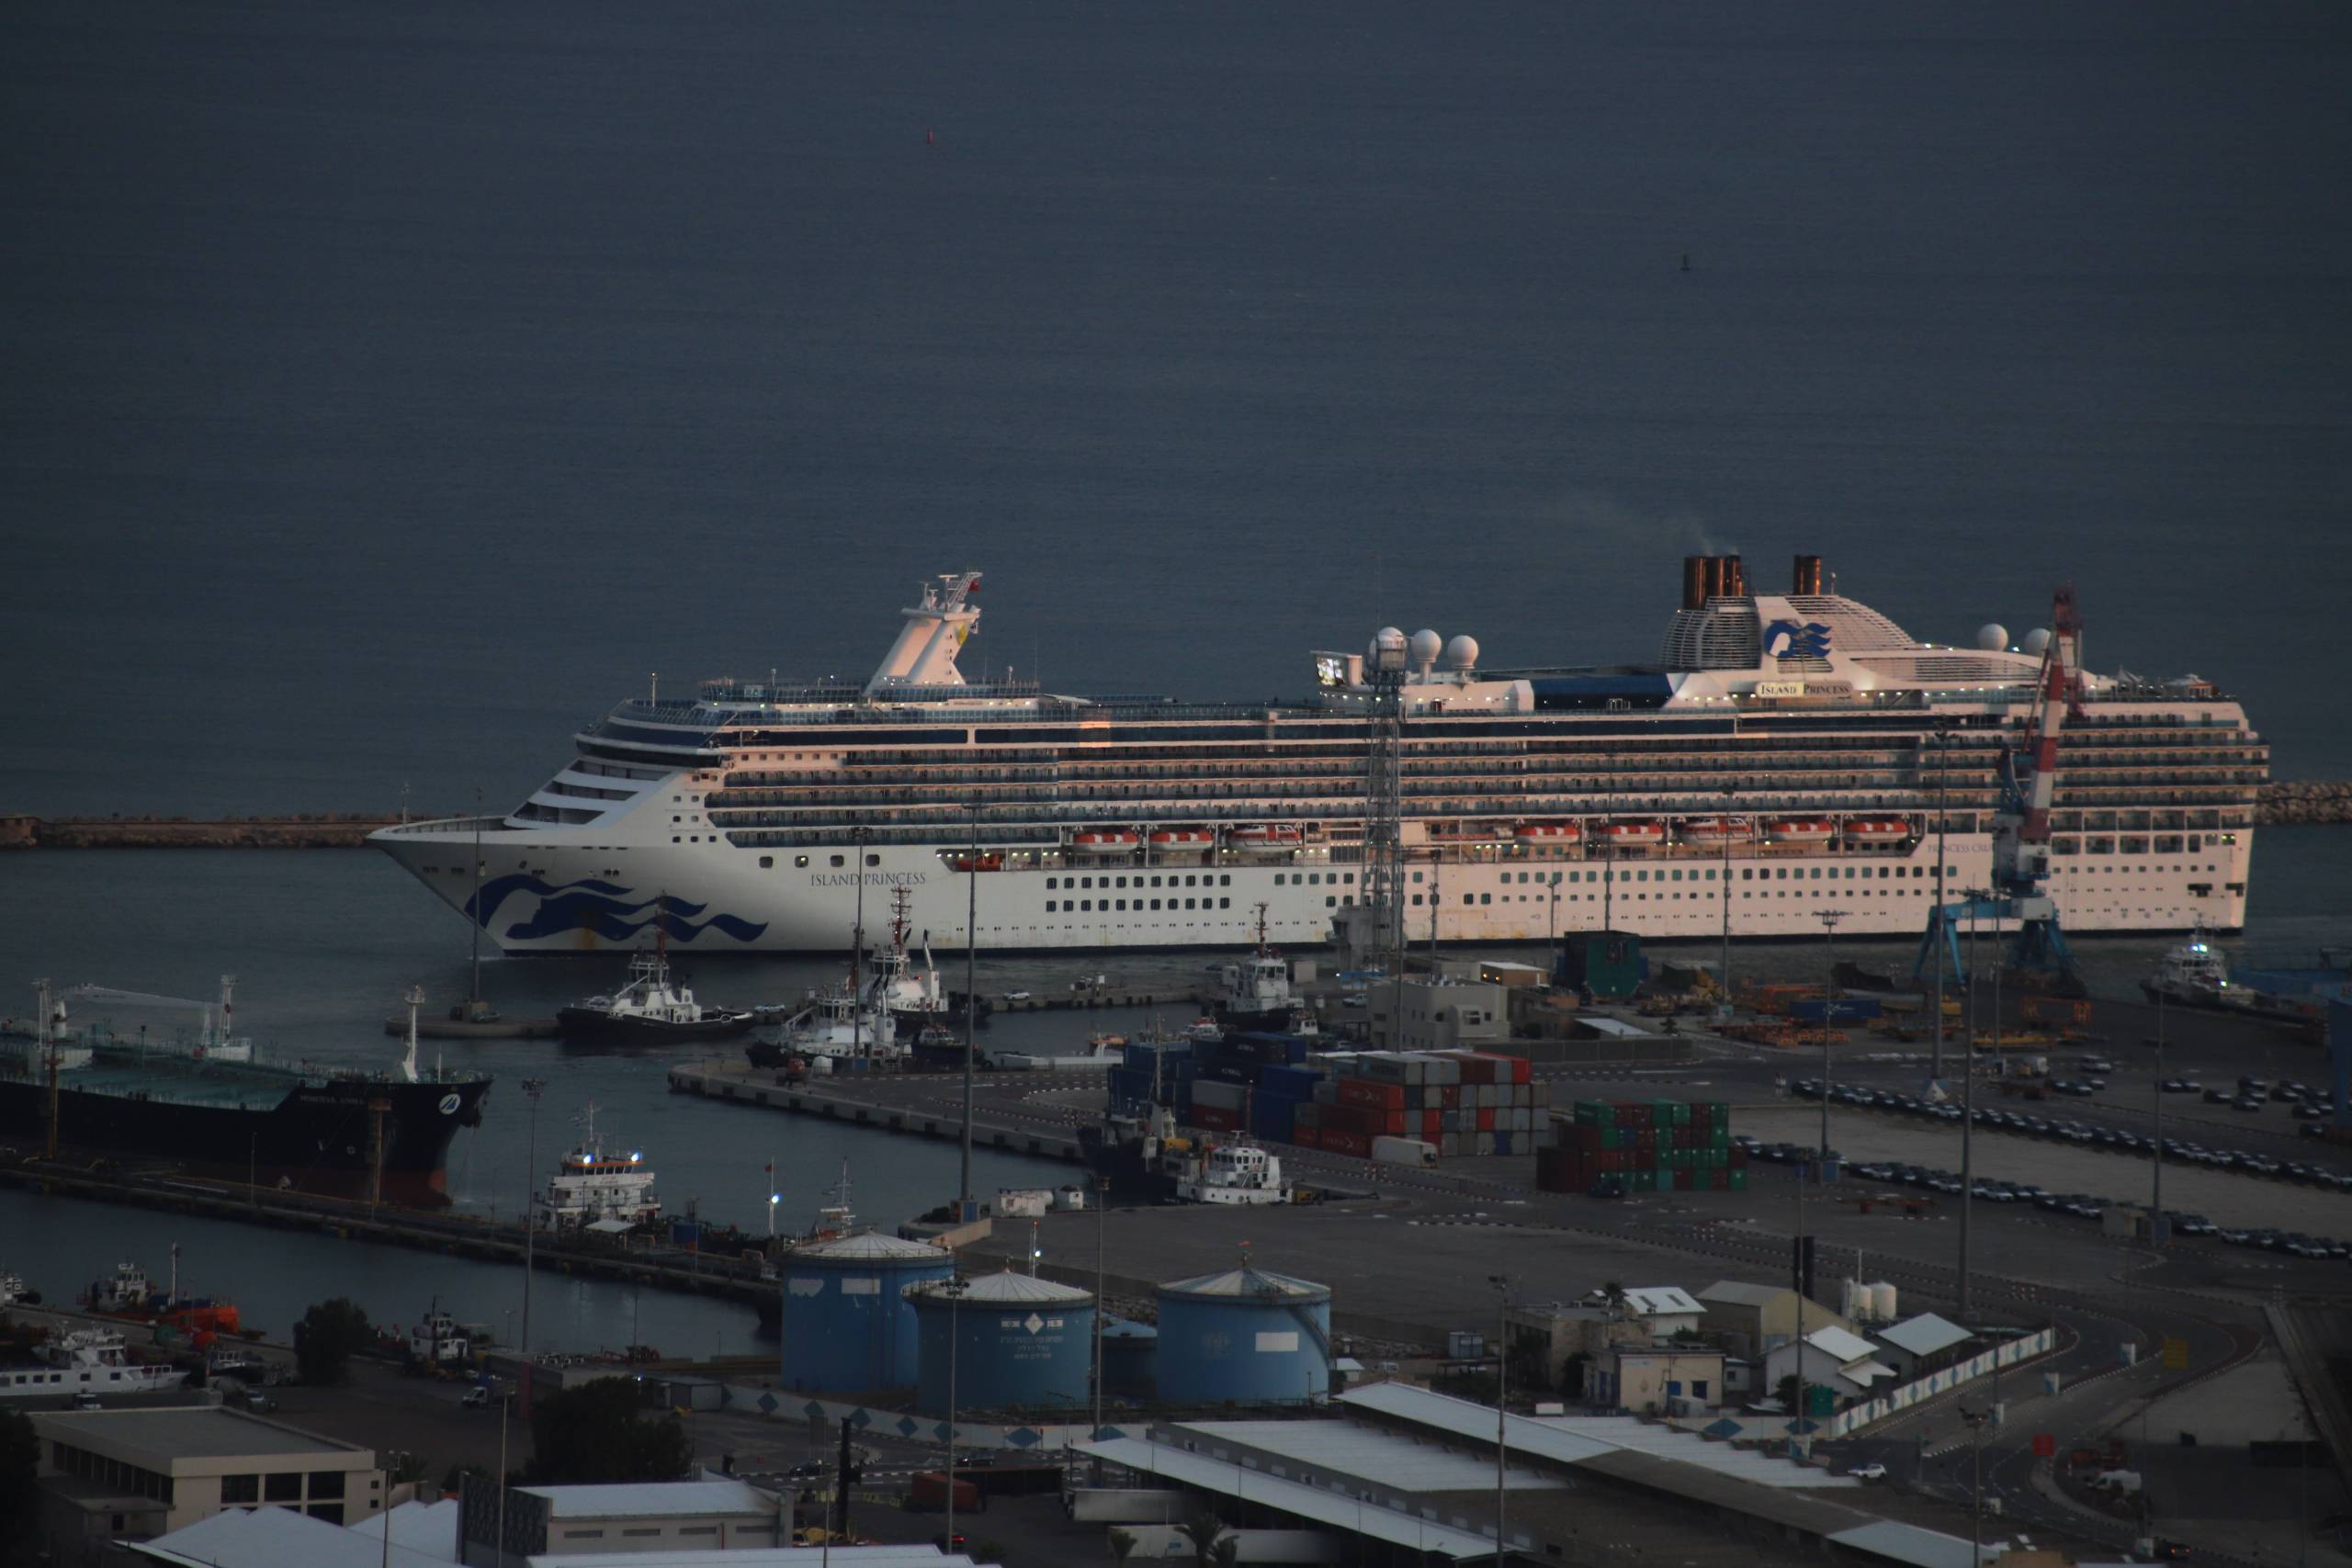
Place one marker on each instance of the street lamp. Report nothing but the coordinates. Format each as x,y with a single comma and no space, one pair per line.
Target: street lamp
1975,897
954,1290
1936,926
532,1090
1829,918
1729,791
1502,1282
1975,1420
971,1002
857,951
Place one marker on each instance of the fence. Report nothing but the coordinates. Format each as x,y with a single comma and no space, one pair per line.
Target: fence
2008,1353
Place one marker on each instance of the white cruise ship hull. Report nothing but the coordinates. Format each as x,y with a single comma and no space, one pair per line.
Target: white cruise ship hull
545,891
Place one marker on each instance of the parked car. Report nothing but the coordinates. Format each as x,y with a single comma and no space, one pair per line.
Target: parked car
1872,1472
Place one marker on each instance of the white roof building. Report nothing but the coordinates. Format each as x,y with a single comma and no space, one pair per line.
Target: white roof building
1663,1301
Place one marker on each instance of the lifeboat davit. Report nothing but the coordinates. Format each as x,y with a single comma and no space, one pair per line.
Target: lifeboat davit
1634,833
1798,830
1265,836
1877,830
1103,842
1547,833
1182,839
1718,831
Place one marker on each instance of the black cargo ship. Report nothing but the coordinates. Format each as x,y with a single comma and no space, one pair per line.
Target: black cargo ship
304,1127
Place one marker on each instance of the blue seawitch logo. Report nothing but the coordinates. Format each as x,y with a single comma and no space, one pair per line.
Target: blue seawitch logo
1796,640
601,907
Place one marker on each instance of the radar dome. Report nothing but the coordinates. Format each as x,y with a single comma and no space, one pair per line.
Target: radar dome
1425,646
1388,649
2037,641
1461,653
1992,636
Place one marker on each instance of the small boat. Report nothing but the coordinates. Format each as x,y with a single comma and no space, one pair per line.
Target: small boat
1182,839
651,1009
130,1294
437,1339
1718,831
1877,830
1267,837
1547,833
967,862
88,1360
1798,830
1257,996
13,1290
1631,835
1103,842
1206,1031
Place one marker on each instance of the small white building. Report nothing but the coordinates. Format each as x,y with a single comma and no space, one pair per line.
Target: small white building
1921,1345
1665,1311
1834,1358
711,1515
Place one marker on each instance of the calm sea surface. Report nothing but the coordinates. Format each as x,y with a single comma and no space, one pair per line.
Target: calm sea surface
386,391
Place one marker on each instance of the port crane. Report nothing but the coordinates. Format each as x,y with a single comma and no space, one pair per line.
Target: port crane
2019,892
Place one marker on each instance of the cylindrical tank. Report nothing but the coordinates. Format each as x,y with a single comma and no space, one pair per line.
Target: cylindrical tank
1882,1301
1019,1343
1246,1337
1854,1301
1130,1357
847,1326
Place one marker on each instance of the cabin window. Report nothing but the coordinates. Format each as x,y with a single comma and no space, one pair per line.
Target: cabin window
1332,901
1123,903
837,859
874,859
1228,903
1278,879
801,861
1049,906
1225,881
1469,897
1154,903
1188,903
1049,888
767,862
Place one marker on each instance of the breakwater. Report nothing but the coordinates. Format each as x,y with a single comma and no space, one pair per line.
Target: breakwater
2306,800
302,831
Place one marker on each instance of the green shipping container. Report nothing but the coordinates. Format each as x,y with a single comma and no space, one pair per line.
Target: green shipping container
1666,1178
1645,1181
1739,1178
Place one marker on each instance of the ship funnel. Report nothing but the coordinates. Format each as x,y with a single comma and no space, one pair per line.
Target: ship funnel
1807,576
1694,583
1735,578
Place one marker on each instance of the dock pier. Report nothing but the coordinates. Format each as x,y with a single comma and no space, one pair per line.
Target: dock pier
743,1084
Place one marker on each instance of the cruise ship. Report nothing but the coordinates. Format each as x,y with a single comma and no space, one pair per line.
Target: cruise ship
1788,753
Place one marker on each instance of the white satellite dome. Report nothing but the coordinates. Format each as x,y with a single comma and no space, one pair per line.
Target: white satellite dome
1425,646
1461,653
2037,641
1388,649
1992,636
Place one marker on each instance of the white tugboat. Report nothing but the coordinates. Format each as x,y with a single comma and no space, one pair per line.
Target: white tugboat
912,996
651,1009
593,1188
1236,1174
1257,996
88,1360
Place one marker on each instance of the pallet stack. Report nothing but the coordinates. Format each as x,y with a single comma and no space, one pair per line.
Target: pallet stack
1459,1102
1648,1146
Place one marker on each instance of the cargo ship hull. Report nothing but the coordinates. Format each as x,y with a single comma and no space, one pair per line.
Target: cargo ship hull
308,1137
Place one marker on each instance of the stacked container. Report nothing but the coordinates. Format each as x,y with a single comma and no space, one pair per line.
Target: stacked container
1459,1102
1649,1145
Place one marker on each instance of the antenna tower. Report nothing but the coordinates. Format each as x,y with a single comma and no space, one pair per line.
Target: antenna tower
1384,831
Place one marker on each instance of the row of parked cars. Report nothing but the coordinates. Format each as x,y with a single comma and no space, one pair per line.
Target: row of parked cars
2060,1129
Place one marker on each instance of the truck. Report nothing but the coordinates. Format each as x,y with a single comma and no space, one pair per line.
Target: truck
928,1494
1404,1151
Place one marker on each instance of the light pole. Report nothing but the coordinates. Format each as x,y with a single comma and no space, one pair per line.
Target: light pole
954,1291
857,951
971,1003
1968,1108
1829,918
532,1090
1936,926
2156,1142
1729,791
1502,1282
1976,1419
774,1198
1101,1210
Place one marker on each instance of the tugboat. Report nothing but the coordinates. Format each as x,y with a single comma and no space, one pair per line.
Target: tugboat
1234,1175
129,1294
2195,975
912,996
1257,996
438,1339
649,1011
596,1189
13,1290
842,1022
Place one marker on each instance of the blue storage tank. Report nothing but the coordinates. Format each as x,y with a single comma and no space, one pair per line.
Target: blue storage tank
1130,1357
1019,1343
1244,1337
847,1326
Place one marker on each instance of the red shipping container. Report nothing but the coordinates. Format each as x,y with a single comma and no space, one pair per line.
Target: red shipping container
1432,1123
1485,1119
1739,1153
1306,1137
1682,1175
1719,1177
1364,1091
1449,1096
1215,1119
1393,1123
1354,1144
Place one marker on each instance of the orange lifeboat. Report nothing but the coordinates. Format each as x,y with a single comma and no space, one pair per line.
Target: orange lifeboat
1547,833
983,862
1877,830
1635,835
1182,839
1266,836
1798,830
1718,831
1103,842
